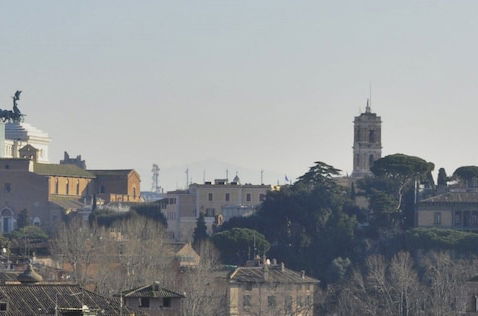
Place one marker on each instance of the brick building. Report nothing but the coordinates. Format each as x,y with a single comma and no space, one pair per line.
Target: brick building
48,191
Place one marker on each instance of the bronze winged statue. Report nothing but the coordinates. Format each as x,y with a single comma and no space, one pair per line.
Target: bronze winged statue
15,115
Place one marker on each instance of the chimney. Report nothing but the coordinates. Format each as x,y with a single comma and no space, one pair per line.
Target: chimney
265,269
282,267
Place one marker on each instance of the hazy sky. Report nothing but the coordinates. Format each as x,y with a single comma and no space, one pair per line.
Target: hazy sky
261,84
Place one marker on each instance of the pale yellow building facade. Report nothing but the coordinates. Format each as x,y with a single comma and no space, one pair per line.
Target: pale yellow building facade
183,207
456,210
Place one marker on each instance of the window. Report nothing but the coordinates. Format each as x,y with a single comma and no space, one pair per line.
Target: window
36,221
7,187
227,196
246,300
288,303
3,307
210,212
474,219
271,301
102,189
209,196
67,187
248,197
262,197
308,301
370,161
172,201
134,192
166,302
437,218
77,187
56,186
371,136
144,302
248,286
299,301
458,218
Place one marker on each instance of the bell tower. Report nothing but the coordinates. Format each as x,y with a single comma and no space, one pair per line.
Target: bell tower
367,142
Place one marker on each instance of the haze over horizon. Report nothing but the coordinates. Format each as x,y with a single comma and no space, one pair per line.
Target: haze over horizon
262,84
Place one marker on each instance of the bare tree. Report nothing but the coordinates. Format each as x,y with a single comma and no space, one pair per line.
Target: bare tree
432,285
134,249
76,245
446,277
202,285
404,284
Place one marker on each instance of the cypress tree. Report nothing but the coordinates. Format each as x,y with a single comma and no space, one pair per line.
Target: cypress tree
200,232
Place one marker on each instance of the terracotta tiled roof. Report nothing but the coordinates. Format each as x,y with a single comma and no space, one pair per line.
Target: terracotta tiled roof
8,276
48,169
122,172
453,197
41,298
152,290
66,202
276,274
175,246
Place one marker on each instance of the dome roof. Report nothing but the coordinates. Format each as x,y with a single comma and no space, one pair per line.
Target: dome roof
29,276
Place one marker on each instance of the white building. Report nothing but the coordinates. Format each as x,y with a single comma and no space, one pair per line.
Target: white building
18,135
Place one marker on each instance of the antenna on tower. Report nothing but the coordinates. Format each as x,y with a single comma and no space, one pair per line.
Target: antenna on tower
262,177
187,178
155,186
369,101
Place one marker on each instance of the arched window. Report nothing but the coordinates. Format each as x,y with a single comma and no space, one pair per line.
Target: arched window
7,221
134,193
371,136
67,187
36,221
77,187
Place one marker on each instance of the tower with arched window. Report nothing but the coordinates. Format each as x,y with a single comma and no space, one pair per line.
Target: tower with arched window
367,142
